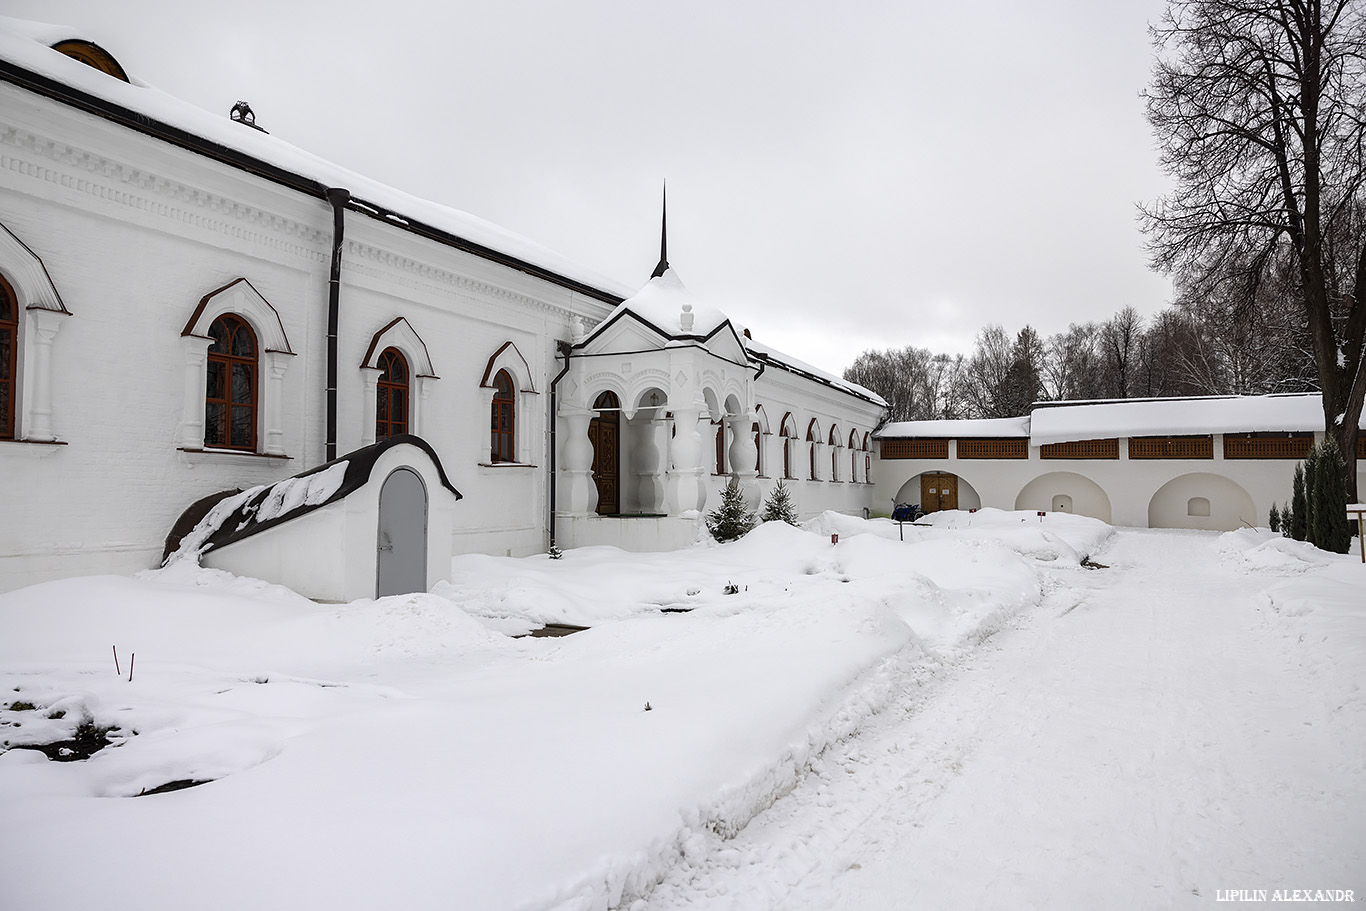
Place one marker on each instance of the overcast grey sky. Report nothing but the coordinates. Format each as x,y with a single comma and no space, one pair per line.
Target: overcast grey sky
841,176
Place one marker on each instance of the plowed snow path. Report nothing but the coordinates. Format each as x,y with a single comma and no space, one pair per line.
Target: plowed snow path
1147,737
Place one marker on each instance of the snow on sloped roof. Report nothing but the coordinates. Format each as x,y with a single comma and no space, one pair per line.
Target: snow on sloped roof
762,352
982,427
660,303
1064,423
26,45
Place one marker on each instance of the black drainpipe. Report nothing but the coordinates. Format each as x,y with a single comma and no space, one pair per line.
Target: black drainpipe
561,348
338,197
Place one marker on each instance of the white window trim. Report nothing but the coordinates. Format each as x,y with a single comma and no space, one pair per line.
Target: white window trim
239,298
508,358
41,315
401,336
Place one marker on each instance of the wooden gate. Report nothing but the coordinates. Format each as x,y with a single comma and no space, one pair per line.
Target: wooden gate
402,537
938,491
604,431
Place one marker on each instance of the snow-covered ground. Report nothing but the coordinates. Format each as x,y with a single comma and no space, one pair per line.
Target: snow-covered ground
967,718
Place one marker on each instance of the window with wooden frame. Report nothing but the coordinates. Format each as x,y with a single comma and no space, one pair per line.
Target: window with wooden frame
391,403
811,439
913,449
1183,447
1267,445
720,447
999,448
758,449
9,358
230,396
503,419
788,436
834,442
1081,449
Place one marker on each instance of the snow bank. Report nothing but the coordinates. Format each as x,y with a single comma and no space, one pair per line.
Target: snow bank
343,744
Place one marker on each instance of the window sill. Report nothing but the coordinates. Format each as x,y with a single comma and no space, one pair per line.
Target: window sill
193,457
32,449
506,465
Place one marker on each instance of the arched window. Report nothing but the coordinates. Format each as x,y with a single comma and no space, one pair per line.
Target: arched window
9,346
853,457
504,413
758,449
720,446
811,439
834,442
391,403
230,388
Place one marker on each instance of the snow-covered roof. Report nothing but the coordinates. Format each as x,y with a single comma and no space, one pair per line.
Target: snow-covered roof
661,302
984,427
1155,417
1065,422
760,351
27,46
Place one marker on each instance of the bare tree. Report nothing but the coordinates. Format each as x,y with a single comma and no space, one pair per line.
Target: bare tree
1260,111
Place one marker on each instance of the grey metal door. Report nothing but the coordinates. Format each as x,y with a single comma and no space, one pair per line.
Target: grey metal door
402,540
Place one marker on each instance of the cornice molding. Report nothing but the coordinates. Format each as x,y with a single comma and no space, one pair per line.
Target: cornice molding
85,172
395,267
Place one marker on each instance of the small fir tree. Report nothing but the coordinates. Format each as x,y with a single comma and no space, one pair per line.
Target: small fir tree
1299,506
1328,512
1287,519
778,506
1311,468
730,520
1274,519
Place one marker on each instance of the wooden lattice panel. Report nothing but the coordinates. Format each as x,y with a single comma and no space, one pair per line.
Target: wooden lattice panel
1171,447
1267,446
1361,445
1009,448
914,449
1081,449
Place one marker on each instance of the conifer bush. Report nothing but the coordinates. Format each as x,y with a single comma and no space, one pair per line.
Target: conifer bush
731,519
1274,519
778,506
1328,502
1299,506
1311,467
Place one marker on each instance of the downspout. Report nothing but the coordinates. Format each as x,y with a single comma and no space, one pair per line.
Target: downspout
561,348
338,197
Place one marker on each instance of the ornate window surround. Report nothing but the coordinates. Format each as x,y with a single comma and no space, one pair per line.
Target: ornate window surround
508,358
398,333
238,298
41,314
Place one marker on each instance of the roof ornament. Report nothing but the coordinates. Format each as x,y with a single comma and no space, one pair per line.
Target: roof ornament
242,113
663,235
685,320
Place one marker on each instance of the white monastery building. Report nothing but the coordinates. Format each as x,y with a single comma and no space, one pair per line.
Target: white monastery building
199,319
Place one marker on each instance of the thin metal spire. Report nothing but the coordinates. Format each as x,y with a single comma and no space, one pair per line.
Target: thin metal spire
663,236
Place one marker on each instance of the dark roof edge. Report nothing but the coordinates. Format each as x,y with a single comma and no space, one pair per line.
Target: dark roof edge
116,113
797,371
360,463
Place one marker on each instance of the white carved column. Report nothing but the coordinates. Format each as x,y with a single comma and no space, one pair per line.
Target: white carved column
647,457
576,492
422,390
45,325
744,456
275,364
369,391
686,490
192,420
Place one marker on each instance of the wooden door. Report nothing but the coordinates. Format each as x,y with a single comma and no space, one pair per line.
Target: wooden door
938,491
604,431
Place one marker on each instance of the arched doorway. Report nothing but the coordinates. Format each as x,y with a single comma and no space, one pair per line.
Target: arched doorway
938,491
402,537
604,431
